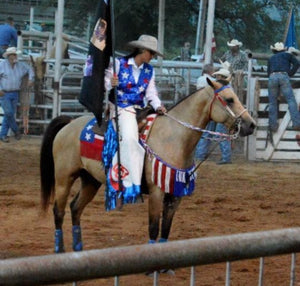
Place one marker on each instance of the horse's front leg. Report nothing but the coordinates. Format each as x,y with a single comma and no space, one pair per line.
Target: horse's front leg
155,209
170,205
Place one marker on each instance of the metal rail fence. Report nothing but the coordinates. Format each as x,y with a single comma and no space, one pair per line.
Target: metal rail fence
115,262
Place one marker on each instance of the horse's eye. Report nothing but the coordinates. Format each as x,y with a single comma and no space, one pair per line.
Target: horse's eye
229,101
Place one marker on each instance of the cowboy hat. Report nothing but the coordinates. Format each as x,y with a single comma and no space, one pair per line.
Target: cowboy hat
146,42
234,43
223,72
11,51
293,51
225,65
279,46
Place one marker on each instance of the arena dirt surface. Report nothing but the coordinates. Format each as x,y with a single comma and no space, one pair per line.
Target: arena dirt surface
229,199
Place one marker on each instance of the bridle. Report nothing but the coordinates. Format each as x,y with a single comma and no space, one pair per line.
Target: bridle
228,109
223,102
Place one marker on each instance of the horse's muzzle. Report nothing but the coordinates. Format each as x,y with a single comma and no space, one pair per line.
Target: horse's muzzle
246,128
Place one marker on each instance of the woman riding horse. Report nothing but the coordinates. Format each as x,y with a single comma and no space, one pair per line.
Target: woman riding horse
170,144
135,81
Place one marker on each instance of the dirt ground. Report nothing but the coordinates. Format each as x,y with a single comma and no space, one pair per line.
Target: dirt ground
229,199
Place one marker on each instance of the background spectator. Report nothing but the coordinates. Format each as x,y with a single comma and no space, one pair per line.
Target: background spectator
8,35
186,52
238,60
281,66
207,72
11,74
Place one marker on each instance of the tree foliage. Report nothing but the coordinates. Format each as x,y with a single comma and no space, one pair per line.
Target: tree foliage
257,23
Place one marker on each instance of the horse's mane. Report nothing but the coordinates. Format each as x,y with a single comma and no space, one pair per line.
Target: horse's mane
223,81
184,98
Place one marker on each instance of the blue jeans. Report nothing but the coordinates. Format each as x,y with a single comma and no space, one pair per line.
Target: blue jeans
203,144
280,83
9,105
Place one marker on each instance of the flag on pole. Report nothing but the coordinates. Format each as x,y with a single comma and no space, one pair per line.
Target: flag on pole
290,39
213,44
100,49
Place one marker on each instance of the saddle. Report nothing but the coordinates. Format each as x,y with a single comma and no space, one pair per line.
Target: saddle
141,115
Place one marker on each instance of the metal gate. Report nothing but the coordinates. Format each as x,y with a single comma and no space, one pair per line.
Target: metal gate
262,145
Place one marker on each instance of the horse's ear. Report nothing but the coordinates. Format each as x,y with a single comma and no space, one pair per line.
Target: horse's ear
229,78
210,83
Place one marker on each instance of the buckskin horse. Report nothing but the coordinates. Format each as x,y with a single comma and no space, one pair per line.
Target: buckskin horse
172,139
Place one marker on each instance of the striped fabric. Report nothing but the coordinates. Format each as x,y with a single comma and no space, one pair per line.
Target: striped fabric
146,131
170,180
173,181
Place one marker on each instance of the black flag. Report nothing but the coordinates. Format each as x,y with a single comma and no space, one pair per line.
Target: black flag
100,49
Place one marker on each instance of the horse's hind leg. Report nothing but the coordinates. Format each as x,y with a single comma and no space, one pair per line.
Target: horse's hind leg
88,191
62,190
170,206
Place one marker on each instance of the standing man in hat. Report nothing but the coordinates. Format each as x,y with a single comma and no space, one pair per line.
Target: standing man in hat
235,56
8,35
281,66
11,74
134,79
238,65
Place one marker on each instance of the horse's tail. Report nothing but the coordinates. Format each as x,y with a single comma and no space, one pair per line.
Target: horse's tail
47,160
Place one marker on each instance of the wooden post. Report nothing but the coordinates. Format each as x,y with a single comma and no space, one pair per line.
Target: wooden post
58,57
209,31
161,31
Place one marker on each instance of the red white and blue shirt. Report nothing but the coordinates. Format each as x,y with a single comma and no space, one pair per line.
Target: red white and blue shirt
136,83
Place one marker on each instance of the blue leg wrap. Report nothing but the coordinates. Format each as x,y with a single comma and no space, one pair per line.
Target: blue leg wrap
151,241
59,241
162,240
77,241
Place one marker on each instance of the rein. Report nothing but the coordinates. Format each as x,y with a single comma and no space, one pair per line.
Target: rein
198,129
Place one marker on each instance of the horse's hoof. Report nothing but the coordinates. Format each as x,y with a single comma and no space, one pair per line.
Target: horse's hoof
58,249
77,241
78,246
59,241
167,271
149,274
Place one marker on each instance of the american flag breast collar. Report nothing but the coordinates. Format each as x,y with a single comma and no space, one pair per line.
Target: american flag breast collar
178,182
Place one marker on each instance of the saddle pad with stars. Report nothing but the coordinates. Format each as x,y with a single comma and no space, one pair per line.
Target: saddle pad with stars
91,144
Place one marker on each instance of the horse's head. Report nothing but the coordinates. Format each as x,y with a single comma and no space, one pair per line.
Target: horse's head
226,108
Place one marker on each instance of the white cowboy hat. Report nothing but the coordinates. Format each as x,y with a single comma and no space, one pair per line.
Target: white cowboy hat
234,43
11,51
225,65
223,72
293,51
279,46
146,42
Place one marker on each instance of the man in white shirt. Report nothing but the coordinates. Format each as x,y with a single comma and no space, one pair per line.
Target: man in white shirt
11,73
207,72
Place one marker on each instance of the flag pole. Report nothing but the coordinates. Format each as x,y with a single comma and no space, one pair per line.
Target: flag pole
119,200
287,24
